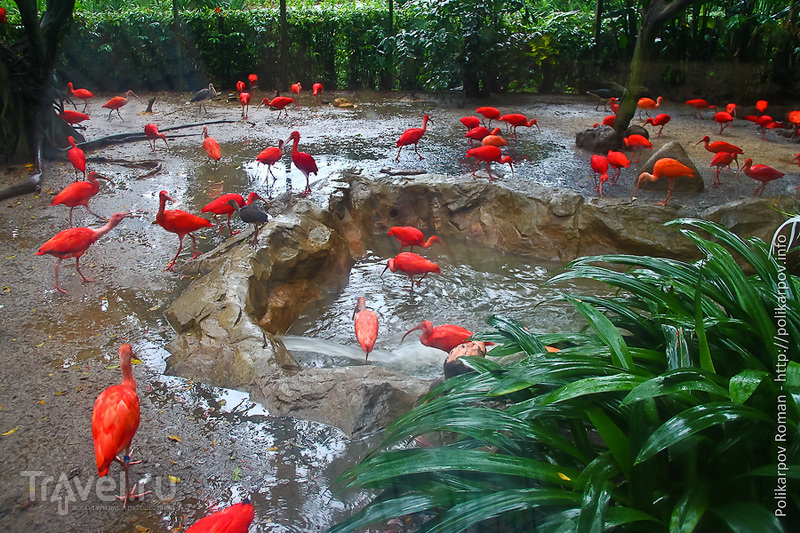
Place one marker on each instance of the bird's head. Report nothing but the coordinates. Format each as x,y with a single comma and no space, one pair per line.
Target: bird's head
165,197
361,305
705,138
234,204
95,176
389,266
131,94
294,136
425,325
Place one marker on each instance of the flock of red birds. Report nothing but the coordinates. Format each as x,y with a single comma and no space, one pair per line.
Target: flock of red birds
724,153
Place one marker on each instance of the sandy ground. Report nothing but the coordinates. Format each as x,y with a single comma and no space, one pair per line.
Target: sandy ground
202,447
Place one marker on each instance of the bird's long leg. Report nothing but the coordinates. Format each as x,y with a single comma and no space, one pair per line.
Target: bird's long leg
669,194
489,171
475,168
129,491
78,268
398,155
92,212
171,265
415,151
58,265
85,103
109,114
70,215
229,226
195,251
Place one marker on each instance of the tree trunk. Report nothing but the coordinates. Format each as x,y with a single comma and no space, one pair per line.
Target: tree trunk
284,59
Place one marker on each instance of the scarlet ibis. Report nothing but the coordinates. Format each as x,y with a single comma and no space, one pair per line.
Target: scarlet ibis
181,223
724,119
453,365
252,79
412,136
647,104
220,206
720,161
486,154
666,167
794,119
719,146
244,101
271,155
444,337
152,134
412,265
599,165
251,214
76,156
296,88
240,86
762,173
515,120
82,94
608,120
699,104
303,161
732,109
115,419
470,122
73,242
118,101
279,103
763,122
79,193
73,117
638,143
316,92
761,106
659,120
202,95
618,161
366,326
234,519
211,146
411,237
479,132
489,113
494,140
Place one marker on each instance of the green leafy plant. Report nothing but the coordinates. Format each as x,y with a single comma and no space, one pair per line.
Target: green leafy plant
675,409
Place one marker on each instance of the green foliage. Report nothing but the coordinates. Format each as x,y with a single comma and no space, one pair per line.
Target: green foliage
665,414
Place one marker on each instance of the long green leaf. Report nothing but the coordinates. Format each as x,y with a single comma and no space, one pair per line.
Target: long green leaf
607,332
385,510
690,508
746,517
616,440
681,380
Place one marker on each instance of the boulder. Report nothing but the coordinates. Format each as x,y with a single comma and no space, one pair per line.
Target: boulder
599,139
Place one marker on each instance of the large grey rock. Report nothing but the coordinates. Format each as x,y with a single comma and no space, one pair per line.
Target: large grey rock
599,139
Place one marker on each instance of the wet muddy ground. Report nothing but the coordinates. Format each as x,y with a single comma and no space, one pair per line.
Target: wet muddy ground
203,447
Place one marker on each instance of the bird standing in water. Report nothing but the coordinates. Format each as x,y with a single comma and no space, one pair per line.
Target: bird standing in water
444,337
366,326
244,101
487,153
411,237
489,113
412,265
79,193
181,223
211,146
118,101
115,419
665,167
271,155
412,136
234,519
73,242
515,120
279,103
316,92
304,162
152,134
762,173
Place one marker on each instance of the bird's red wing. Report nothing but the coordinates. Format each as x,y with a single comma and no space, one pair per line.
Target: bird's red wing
211,146
366,327
67,242
114,102
269,156
304,162
447,337
178,221
410,136
115,419
220,205
233,519
74,192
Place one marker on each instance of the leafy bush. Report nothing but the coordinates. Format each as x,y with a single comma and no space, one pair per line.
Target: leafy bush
675,410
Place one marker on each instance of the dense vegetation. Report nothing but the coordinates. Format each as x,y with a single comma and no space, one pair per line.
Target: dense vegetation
675,410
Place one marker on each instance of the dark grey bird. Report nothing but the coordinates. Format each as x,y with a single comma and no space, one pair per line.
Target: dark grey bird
202,95
252,214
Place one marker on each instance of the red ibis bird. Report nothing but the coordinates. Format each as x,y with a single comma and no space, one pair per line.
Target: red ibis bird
79,193
73,117
732,109
470,122
240,86
479,132
304,162
608,120
719,146
599,165
244,101
638,143
251,214
296,88
115,419
646,104
515,120
444,337
494,140
73,242
794,119
82,94
720,161
487,154
761,106
180,223
220,206
252,79
234,519
412,136
76,156
279,103
118,101
764,122
762,173
668,168
316,92
412,265
271,155
618,161
489,113
659,120
152,134
452,364
211,146
724,119
366,326
411,237
202,95
699,104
